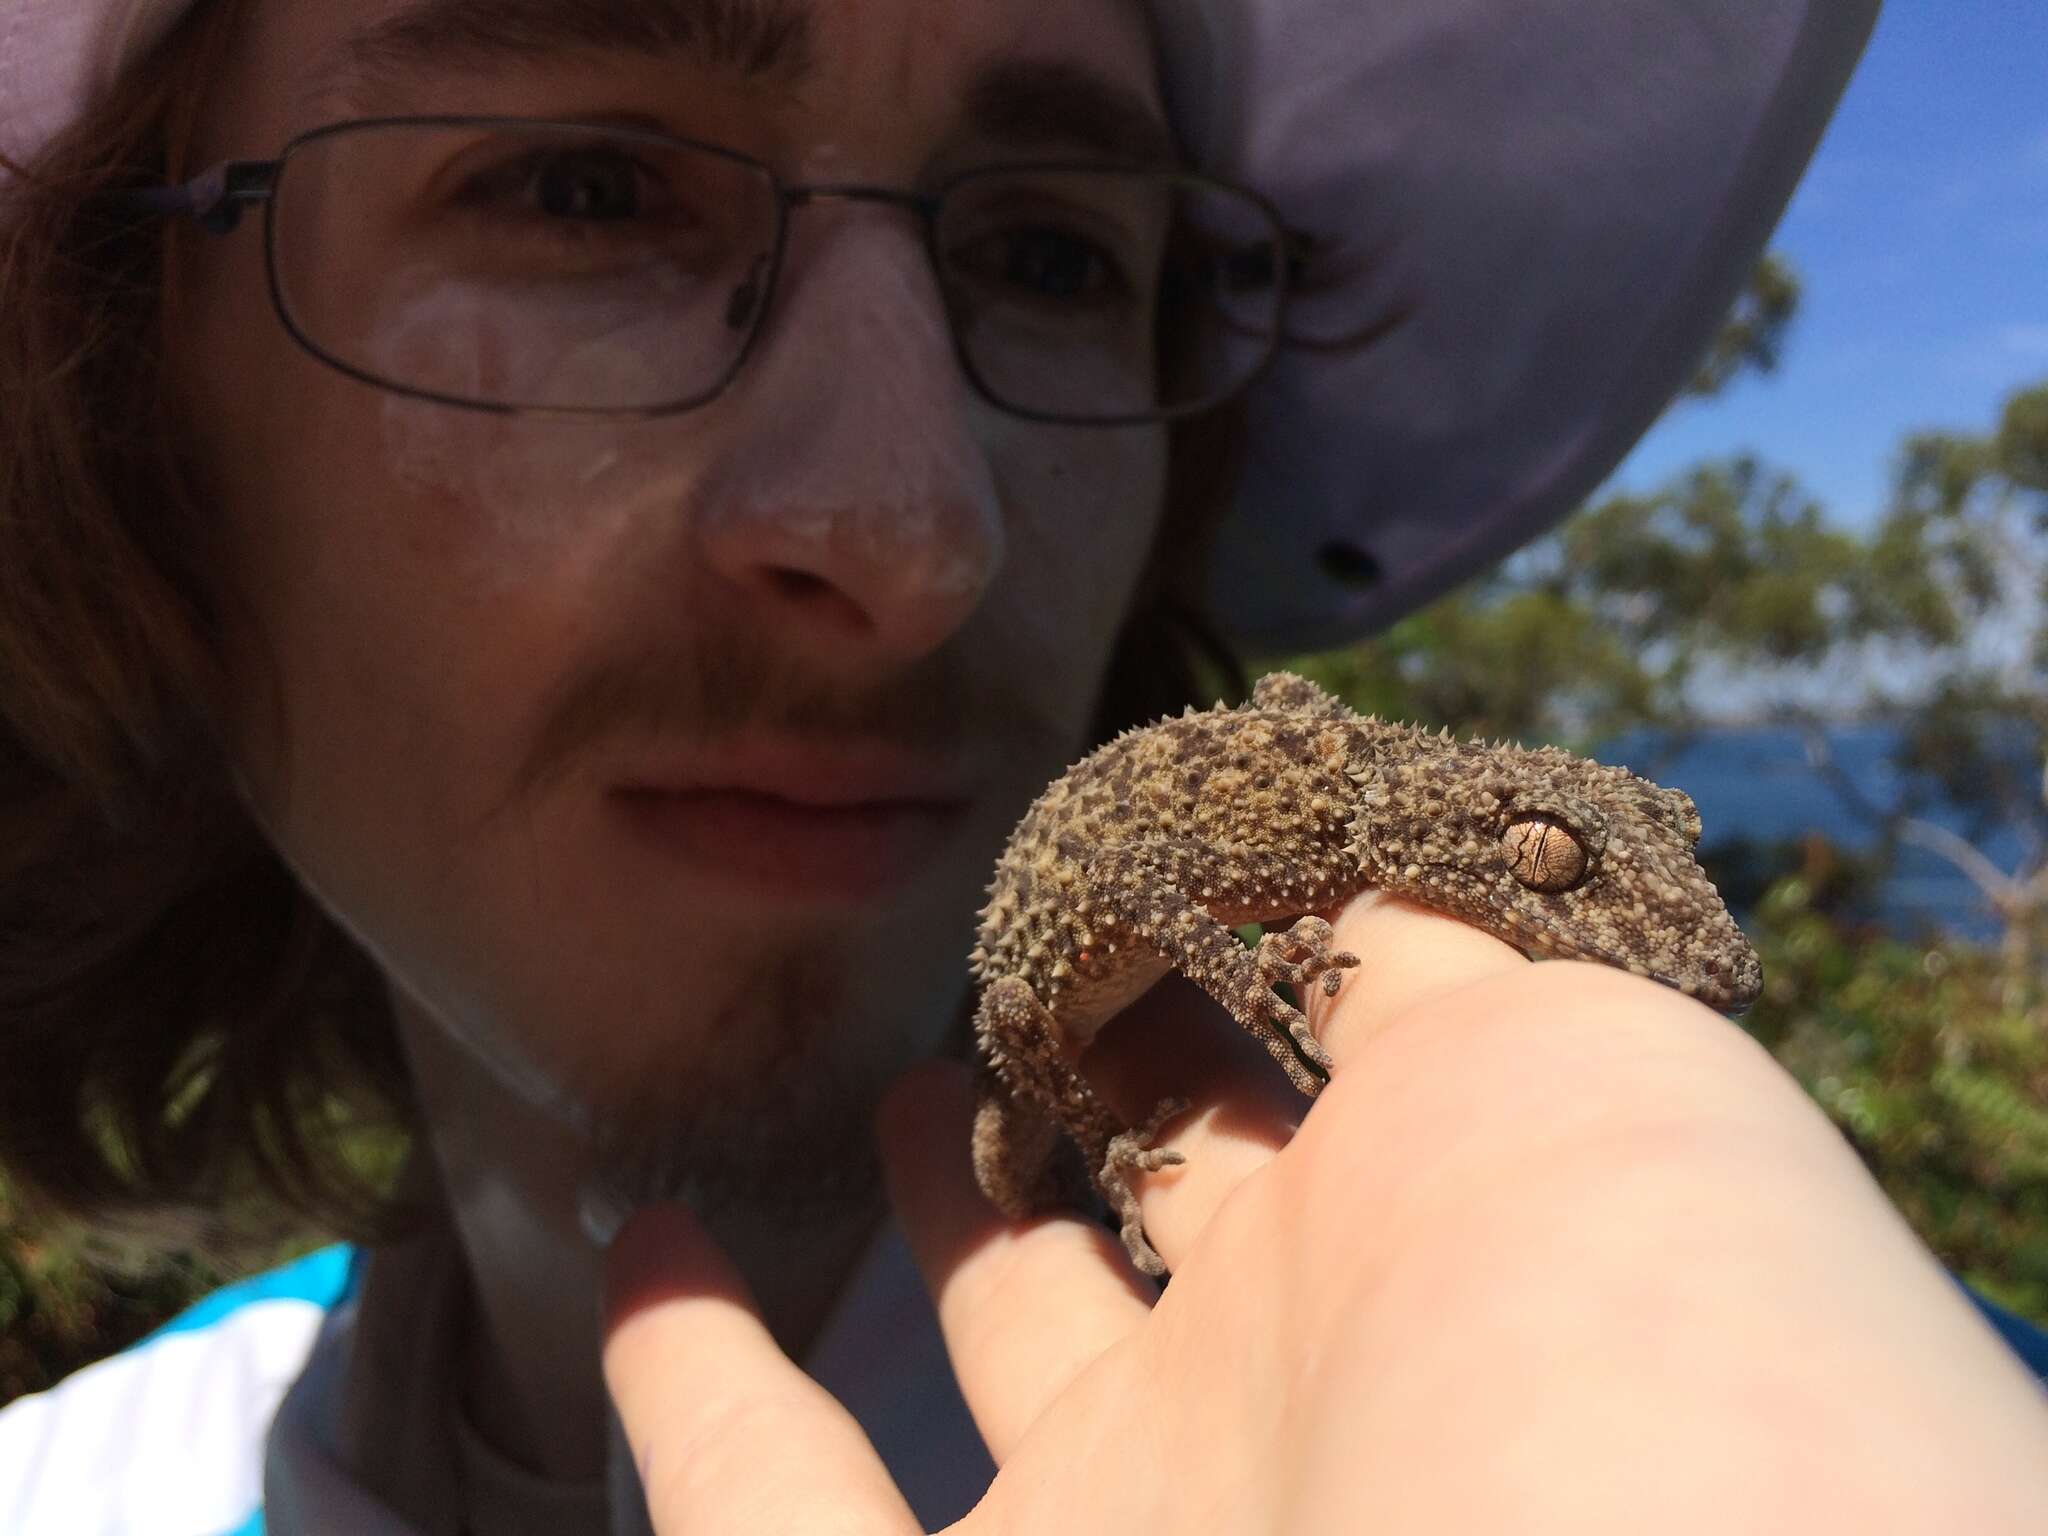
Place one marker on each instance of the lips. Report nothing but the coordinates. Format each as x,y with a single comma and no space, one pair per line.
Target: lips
796,825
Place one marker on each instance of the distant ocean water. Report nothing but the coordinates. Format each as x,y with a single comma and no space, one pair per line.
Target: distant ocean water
1755,781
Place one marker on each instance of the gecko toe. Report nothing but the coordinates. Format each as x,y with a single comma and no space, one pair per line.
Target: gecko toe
1142,1253
1306,1042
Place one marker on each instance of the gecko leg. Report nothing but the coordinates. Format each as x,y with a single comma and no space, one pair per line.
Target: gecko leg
1023,1161
1299,957
1132,1150
1153,895
1031,1087
1165,899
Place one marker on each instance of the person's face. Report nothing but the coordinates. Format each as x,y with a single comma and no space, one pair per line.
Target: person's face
669,758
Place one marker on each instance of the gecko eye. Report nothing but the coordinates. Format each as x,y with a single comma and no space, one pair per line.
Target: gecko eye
1545,855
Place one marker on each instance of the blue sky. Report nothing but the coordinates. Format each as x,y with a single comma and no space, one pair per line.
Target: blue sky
1921,235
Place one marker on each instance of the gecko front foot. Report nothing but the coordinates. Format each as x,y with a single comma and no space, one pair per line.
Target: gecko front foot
1301,956
1133,1151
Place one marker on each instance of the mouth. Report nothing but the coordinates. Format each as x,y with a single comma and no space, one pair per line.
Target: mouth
796,825
1733,990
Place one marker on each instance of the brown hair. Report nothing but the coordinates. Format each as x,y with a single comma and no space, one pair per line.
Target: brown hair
178,1018
175,1014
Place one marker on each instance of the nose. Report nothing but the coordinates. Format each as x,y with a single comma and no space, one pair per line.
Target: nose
856,509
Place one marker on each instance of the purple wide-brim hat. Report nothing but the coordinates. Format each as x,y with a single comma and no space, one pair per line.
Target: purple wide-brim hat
1531,218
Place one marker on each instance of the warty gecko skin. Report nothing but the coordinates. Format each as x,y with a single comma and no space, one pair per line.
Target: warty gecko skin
1145,856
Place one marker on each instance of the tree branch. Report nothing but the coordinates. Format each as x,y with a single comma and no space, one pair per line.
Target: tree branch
2005,893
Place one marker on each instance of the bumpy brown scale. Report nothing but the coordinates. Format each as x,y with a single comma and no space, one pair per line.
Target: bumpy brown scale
1147,854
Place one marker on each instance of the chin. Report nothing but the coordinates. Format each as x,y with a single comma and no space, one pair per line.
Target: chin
765,1101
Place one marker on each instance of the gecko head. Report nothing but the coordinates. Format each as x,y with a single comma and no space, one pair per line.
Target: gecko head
1559,856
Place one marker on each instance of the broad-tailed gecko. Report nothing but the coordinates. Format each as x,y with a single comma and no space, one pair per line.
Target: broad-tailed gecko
1144,856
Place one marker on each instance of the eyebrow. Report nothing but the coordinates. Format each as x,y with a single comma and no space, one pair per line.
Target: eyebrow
1032,100
1017,100
769,41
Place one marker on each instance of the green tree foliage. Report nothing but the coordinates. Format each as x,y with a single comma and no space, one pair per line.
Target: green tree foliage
1599,626
1616,619
1752,339
1729,594
1935,1069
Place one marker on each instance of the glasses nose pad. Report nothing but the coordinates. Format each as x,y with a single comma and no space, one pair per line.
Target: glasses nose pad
743,308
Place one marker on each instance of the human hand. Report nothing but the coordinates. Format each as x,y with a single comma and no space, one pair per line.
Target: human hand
1555,1248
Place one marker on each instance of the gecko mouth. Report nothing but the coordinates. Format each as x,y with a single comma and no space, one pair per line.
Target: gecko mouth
1728,988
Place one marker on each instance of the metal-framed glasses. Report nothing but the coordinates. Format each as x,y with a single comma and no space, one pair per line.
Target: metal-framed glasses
518,265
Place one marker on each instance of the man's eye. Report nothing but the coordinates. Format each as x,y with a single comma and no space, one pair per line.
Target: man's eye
1045,262
584,185
588,186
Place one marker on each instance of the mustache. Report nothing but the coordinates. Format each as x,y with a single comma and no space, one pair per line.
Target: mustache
725,684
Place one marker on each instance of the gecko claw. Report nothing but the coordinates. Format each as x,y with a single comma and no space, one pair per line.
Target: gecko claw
1302,955
1133,1150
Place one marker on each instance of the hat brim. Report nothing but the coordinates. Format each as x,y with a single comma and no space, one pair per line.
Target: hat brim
1532,220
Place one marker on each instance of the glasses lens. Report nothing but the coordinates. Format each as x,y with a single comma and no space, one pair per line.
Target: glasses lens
1102,295
532,265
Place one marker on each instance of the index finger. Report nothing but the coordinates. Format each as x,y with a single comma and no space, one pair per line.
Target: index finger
1244,1110
1408,956
726,1432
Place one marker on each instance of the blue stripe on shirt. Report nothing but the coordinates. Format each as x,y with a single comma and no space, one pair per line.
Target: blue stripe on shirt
2023,1338
326,1278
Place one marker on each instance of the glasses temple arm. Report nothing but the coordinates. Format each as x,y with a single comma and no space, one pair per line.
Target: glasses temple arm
214,199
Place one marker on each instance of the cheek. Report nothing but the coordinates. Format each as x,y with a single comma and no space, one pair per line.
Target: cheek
500,507
402,583
1084,509
514,498
314,476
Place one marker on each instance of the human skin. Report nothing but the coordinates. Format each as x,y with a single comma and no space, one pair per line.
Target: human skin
454,638
1556,1249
